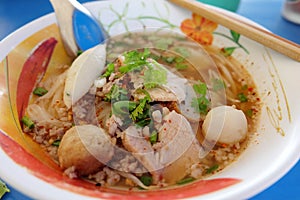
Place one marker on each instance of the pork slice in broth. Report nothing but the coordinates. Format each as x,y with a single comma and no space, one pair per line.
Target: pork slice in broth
158,94
178,147
142,150
171,158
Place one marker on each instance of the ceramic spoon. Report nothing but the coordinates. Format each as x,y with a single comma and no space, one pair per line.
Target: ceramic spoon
79,29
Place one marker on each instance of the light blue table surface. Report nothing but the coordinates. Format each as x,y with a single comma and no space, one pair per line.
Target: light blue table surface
16,13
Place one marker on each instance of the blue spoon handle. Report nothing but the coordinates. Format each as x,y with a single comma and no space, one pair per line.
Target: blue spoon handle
88,32
79,29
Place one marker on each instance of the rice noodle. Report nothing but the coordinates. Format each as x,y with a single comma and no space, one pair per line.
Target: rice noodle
136,180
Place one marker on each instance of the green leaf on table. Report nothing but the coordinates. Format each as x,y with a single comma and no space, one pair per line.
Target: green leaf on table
3,189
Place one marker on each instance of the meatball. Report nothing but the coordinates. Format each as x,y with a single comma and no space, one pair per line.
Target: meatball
85,147
225,124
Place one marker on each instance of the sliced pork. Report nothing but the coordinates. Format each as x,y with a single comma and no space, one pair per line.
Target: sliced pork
171,157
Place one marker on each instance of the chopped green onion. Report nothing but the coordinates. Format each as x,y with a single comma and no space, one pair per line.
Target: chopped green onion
249,113
119,94
245,87
169,59
185,181
3,189
56,143
155,57
153,137
180,66
242,97
179,59
109,70
163,43
140,112
40,91
79,52
146,180
27,122
201,104
144,122
212,169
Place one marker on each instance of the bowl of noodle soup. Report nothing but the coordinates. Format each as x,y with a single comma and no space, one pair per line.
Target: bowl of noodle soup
171,104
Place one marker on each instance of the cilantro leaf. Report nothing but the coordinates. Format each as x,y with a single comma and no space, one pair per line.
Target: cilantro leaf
122,108
141,112
134,60
200,88
139,109
155,77
116,94
201,103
